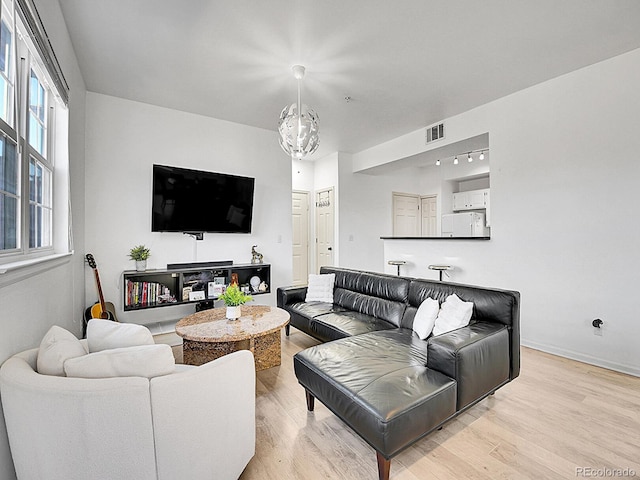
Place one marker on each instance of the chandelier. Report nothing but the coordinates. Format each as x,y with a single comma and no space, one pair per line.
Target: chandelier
298,125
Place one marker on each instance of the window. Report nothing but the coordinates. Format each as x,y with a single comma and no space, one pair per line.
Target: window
6,86
31,106
9,207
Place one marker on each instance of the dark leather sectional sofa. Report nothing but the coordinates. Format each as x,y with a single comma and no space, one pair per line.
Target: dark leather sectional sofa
374,372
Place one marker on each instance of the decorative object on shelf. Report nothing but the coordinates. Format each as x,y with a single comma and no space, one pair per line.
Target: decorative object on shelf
234,280
140,254
255,283
233,298
263,287
298,125
256,257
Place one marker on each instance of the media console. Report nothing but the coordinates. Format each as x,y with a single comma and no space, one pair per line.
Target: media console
192,284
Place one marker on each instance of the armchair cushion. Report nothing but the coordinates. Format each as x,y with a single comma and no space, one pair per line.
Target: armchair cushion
140,361
57,346
106,334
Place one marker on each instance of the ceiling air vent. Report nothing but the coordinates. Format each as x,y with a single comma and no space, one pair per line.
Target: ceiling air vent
434,132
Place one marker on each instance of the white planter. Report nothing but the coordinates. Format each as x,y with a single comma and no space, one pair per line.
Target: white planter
141,265
233,312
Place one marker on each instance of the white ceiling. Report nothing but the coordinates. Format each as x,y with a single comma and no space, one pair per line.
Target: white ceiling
405,64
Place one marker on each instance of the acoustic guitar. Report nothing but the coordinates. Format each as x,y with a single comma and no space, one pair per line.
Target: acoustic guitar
100,309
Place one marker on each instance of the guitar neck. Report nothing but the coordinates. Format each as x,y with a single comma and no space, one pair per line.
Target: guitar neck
101,297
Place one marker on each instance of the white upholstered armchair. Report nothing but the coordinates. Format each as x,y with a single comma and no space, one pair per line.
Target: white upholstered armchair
196,423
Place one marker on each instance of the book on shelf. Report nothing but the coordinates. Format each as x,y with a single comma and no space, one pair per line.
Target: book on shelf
147,293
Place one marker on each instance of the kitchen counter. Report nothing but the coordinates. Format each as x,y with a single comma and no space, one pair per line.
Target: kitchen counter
435,238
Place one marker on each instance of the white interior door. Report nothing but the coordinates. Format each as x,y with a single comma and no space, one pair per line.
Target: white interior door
300,208
406,219
324,227
429,215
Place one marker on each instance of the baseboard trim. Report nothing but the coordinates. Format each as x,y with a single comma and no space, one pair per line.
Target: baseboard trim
580,357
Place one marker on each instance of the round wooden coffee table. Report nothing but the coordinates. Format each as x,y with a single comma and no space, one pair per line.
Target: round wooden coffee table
207,335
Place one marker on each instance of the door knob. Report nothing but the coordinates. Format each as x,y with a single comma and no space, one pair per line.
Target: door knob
329,248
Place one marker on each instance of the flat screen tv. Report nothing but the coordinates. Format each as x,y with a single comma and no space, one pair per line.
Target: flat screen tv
196,201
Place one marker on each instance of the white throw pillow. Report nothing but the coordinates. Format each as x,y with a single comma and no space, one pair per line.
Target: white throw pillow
320,288
425,317
454,313
141,361
106,334
56,347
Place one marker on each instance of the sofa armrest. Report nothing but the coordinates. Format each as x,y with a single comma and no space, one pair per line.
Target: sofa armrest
476,356
204,418
288,295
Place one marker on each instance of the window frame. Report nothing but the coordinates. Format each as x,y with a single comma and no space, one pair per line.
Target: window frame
26,60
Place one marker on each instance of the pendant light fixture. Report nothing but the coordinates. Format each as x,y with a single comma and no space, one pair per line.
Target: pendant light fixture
298,125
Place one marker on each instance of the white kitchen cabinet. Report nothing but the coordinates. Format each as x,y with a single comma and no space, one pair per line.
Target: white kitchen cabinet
471,200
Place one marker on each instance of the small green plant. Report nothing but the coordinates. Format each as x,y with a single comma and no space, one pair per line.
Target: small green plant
139,252
233,297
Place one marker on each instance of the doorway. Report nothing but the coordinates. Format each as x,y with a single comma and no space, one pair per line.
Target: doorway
415,215
429,215
324,227
300,237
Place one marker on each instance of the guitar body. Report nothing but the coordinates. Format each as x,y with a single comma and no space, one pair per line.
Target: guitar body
96,311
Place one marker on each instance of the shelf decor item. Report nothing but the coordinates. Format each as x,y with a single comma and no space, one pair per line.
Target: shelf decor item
256,257
233,298
140,254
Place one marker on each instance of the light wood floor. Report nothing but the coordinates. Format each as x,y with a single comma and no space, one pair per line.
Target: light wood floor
558,416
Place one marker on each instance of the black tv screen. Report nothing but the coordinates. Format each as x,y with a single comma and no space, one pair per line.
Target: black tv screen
187,200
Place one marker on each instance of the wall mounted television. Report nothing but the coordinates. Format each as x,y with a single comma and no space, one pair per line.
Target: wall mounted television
196,201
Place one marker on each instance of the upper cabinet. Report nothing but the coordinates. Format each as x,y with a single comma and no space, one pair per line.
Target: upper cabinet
471,200
474,200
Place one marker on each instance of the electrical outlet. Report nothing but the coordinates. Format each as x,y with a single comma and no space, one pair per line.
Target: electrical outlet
597,327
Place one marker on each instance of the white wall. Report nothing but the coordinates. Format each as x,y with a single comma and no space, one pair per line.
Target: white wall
124,140
564,181
366,212
30,307
302,175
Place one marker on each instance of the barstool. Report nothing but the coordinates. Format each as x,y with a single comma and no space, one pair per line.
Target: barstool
397,263
440,269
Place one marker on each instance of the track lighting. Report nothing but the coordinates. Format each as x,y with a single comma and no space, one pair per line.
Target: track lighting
469,157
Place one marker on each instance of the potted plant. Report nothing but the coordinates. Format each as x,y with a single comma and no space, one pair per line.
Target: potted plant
140,253
233,298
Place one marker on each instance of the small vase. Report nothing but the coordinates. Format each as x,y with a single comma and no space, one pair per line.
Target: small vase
141,265
233,313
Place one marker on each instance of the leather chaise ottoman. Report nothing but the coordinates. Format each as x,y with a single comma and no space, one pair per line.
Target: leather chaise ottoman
372,371
380,385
